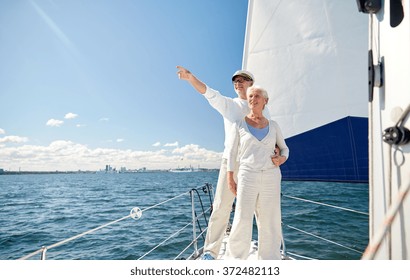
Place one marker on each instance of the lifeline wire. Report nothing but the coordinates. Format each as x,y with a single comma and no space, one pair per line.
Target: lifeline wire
324,204
92,230
327,240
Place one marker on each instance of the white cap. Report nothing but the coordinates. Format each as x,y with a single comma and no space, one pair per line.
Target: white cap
243,73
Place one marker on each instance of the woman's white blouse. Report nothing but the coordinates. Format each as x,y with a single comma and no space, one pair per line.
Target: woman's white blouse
232,111
249,152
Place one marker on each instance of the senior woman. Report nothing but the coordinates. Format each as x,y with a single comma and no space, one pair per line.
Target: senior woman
258,180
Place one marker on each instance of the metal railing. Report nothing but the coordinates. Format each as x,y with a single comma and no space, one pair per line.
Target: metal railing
197,232
136,213
315,235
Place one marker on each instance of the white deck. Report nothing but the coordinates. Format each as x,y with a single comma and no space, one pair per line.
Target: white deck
253,251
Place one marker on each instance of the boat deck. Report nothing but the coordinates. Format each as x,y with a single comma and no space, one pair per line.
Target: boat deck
253,251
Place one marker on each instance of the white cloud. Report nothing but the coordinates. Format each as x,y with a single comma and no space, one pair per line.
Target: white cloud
157,144
2,131
81,125
195,153
104,119
66,155
175,144
53,122
70,116
13,139
119,140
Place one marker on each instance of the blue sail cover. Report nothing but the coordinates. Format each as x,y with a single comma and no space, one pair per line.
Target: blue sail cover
334,152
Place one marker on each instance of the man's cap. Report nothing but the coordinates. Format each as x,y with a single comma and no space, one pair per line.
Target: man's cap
243,73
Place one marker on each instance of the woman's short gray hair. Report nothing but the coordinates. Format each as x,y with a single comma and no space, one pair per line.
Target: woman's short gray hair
259,88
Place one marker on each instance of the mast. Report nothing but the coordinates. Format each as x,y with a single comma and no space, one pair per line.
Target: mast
389,134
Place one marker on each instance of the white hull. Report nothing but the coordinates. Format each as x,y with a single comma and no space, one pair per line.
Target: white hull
183,170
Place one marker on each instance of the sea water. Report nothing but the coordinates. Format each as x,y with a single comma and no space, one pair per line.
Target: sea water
43,209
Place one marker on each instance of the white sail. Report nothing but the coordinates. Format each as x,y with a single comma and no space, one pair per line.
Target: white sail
390,163
311,56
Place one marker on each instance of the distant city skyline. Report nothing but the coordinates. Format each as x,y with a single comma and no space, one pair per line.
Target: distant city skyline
86,83
122,169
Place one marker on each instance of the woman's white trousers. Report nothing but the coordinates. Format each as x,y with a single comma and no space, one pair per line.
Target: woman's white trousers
259,193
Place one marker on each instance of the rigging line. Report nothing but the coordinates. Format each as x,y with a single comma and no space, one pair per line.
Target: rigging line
327,240
190,244
165,201
389,187
202,214
174,234
177,232
324,204
197,221
208,187
391,214
75,237
165,240
95,229
202,205
403,116
32,254
374,35
300,256
87,232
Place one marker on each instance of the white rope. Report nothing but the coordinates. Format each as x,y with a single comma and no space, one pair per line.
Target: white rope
300,256
375,243
32,254
165,240
173,235
153,206
95,229
199,235
176,233
74,237
328,205
190,244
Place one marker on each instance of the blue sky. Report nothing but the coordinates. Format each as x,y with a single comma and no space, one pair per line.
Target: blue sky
89,83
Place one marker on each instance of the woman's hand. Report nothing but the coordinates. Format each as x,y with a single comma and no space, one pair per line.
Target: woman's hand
231,183
278,160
